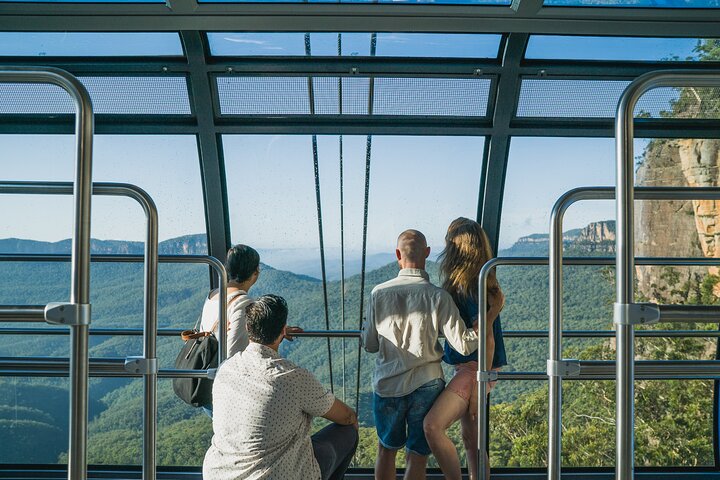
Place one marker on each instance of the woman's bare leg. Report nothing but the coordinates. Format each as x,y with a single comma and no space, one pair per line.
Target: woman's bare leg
448,408
468,427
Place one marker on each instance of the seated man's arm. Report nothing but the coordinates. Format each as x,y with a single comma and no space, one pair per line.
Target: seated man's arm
341,414
461,338
369,334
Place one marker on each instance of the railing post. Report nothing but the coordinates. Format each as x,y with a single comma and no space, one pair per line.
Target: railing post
80,269
625,266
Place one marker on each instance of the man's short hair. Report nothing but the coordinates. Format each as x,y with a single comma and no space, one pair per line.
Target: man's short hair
412,245
266,318
242,261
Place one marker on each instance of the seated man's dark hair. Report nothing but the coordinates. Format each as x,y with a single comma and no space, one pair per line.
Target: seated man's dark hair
266,318
242,261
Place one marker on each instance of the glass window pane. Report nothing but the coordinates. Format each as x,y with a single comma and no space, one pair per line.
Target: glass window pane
110,95
559,99
634,3
446,2
355,44
556,165
558,47
89,44
391,96
166,167
272,203
83,1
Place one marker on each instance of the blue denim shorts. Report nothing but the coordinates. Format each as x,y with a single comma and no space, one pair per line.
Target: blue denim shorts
399,420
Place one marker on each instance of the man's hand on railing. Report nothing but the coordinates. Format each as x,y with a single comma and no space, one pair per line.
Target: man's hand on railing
290,331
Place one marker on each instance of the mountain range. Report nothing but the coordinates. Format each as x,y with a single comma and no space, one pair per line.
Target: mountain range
26,412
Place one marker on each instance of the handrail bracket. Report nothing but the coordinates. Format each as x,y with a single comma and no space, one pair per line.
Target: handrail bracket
636,313
66,313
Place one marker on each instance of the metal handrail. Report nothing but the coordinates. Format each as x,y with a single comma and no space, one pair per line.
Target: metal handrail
590,369
150,259
625,182
669,313
174,332
80,271
150,419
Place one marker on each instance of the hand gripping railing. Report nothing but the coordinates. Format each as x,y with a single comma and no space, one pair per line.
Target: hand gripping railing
625,179
557,366
80,276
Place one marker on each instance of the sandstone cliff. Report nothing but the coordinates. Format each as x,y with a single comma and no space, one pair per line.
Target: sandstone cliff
677,228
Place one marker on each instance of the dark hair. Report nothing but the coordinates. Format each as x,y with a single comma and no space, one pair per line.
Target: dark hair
266,318
242,261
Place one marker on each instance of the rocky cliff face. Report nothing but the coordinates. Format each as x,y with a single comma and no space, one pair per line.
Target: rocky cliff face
596,237
677,228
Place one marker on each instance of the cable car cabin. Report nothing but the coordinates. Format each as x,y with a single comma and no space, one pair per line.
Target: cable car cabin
140,141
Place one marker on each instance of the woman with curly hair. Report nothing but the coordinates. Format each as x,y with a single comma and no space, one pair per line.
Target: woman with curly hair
467,249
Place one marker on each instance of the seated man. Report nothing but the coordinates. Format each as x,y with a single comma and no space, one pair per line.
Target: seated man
406,316
264,406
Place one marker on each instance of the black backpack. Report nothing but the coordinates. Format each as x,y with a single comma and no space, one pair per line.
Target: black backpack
200,352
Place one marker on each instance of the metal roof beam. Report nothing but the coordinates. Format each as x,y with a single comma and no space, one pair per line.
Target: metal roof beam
311,17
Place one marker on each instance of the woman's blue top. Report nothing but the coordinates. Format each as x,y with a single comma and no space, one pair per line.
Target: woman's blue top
469,312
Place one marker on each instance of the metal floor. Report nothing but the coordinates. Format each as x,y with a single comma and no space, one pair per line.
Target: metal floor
51,472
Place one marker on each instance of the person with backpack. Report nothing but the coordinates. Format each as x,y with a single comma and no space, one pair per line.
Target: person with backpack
243,269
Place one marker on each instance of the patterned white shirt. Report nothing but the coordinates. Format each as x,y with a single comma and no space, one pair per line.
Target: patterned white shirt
405,318
263,407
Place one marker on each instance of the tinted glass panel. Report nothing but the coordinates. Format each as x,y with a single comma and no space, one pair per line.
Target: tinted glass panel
556,47
446,2
85,44
560,98
110,95
355,44
273,206
167,167
636,3
391,96
84,1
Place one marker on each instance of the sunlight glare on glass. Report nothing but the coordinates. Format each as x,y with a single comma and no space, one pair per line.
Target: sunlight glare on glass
355,44
635,3
559,47
89,44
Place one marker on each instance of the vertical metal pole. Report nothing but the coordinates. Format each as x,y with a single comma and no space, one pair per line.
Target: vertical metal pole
625,266
554,459
80,253
80,281
483,437
150,342
625,261
222,317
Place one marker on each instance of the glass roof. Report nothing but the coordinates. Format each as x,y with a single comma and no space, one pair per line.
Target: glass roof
355,44
441,2
166,95
635,3
255,95
560,47
84,44
84,1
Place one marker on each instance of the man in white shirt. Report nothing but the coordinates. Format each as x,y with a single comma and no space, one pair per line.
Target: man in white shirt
264,406
405,319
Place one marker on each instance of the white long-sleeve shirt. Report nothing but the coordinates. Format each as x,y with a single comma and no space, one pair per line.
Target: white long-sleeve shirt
405,319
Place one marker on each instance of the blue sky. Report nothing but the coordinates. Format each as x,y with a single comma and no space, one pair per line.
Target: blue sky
420,182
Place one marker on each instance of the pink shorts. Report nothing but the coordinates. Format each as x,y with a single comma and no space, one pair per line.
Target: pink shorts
464,382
